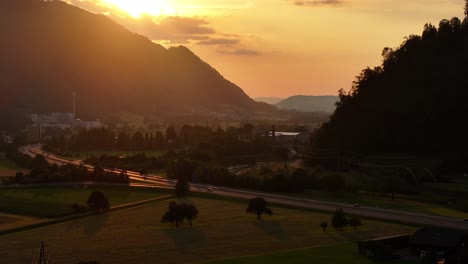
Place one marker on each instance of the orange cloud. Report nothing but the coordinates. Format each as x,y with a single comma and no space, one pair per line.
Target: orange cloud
318,2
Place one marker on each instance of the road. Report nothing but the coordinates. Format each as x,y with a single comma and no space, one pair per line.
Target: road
153,181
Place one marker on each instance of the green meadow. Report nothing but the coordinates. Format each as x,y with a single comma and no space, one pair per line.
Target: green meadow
222,231
57,202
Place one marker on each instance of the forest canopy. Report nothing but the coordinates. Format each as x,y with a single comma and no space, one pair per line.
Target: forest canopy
415,102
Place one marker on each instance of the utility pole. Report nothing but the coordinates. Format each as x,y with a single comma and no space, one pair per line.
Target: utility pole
74,105
41,257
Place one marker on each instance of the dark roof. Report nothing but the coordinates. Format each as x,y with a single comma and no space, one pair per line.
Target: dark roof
442,238
388,238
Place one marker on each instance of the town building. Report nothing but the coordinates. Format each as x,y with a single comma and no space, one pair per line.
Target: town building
443,243
41,125
290,138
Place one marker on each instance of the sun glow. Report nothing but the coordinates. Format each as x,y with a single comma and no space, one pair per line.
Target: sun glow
136,8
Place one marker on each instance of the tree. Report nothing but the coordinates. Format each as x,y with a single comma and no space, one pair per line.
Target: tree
138,140
334,182
339,219
391,184
258,206
466,8
182,187
176,213
324,226
190,212
171,135
98,201
172,215
354,221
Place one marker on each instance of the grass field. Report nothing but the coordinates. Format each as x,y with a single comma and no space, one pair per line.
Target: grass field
337,253
222,230
455,187
57,202
9,221
401,203
7,165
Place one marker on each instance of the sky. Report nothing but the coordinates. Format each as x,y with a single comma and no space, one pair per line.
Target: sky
279,48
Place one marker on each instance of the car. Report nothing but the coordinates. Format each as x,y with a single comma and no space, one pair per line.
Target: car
210,189
357,205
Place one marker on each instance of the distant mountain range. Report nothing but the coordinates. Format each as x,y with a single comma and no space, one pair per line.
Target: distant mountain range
308,103
50,49
269,100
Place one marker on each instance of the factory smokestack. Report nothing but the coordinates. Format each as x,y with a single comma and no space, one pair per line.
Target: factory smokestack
74,105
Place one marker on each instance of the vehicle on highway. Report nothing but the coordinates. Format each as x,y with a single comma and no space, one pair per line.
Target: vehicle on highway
210,189
357,205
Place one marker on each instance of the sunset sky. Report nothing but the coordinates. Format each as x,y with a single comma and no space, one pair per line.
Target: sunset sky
280,47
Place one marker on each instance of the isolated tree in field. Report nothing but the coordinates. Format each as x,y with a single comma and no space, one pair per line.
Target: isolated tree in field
354,221
182,187
339,219
258,206
173,214
324,226
190,212
98,201
176,213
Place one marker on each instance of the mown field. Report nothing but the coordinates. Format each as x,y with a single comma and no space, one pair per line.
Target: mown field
336,253
9,168
451,187
51,203
10,221
7,165
222,230
401,202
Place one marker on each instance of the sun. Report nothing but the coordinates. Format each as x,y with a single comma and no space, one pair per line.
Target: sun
136,8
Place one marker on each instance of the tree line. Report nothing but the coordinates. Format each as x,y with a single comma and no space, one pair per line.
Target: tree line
229,146
42,171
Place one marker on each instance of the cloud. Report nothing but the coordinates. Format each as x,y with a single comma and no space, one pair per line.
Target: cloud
173,30
318,2
241,52
219,41
90,6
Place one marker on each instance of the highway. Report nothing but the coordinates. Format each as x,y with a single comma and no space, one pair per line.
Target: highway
153,181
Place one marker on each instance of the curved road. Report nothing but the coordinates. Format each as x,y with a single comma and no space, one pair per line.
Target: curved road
152,181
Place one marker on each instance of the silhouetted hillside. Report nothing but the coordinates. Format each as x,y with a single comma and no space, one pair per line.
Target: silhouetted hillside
309,103
416,101
50,49
269,100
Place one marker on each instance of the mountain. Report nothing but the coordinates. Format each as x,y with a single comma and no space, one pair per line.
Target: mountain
309,103
414,102
50,49
269,100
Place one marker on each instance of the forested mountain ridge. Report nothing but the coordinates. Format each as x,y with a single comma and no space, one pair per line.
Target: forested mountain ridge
50,49
415,102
